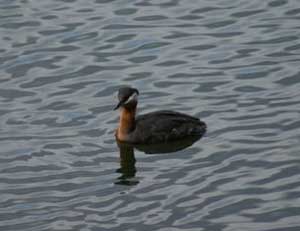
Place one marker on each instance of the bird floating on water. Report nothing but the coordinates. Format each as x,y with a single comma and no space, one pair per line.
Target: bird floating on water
155,127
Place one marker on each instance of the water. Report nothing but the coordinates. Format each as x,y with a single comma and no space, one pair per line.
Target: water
234,64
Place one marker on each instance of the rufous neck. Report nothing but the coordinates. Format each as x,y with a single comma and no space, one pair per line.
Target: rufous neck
127,120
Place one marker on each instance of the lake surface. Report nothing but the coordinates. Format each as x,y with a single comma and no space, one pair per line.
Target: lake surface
234,64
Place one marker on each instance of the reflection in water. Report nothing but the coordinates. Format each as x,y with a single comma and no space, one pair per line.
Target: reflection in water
127,165
127,159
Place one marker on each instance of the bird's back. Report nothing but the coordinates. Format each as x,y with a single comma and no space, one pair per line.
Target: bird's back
163,126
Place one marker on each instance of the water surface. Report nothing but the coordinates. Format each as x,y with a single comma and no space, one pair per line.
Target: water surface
235,64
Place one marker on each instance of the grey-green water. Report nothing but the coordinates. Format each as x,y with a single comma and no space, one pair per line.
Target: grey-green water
235,64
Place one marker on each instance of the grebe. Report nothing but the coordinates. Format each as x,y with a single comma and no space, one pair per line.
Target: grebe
154,127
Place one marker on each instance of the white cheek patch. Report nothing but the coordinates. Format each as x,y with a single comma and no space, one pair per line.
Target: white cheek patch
133,97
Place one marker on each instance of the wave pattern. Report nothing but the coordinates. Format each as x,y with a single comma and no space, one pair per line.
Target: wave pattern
235,64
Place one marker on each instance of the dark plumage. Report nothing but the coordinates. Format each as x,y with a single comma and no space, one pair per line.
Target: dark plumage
162,126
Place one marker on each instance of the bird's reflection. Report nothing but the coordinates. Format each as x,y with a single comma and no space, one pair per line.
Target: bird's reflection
127,165
127,159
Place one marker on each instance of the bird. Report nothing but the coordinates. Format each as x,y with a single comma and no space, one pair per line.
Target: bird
154,127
